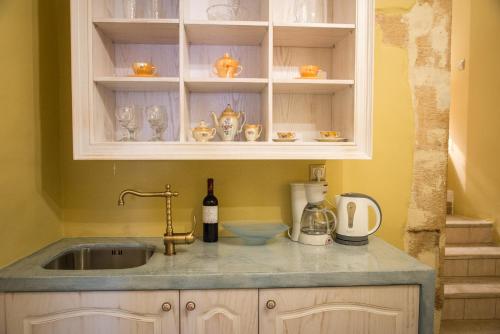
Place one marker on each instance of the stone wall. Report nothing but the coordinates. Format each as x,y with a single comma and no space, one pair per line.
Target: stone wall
424,30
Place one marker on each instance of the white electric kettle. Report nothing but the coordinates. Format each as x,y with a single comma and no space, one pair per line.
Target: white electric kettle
352,218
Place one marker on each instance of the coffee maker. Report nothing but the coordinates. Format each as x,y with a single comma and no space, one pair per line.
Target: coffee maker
313,222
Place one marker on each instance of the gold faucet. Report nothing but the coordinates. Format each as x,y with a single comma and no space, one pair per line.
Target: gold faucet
170,239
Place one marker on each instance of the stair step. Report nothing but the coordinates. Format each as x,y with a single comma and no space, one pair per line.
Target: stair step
471,290
460,221
488,252
477,301
472,261
464,230
471,280
470,327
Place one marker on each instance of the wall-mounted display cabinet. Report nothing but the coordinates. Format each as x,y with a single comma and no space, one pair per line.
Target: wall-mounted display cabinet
271,39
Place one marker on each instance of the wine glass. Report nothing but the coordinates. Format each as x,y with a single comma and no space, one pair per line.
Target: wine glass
130,9
310,11
128,118
155,9
157,118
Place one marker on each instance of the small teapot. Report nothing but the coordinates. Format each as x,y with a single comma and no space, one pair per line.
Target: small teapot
228,124
227,67
203,133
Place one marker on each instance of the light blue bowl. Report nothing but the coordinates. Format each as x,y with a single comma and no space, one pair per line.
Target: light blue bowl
255,232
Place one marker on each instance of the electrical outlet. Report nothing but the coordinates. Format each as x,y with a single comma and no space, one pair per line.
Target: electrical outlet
317,172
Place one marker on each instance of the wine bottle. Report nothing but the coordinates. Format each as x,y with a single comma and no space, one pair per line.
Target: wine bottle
210,214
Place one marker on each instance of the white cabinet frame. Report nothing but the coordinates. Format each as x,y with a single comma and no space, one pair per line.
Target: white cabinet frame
87,121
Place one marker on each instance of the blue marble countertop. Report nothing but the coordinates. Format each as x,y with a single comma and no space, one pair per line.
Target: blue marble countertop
230,264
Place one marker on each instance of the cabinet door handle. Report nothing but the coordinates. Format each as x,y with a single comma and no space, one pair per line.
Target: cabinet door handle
166,307
190,306
271,304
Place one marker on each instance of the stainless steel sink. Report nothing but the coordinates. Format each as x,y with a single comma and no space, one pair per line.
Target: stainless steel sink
101,257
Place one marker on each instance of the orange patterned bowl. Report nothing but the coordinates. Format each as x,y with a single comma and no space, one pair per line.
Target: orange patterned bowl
309,71
143,68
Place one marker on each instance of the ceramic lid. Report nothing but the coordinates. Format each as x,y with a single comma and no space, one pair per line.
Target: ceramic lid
226,58
228,111
203,126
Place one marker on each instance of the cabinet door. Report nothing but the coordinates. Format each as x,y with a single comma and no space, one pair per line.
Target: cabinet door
219,311
93,312
2,313
353,310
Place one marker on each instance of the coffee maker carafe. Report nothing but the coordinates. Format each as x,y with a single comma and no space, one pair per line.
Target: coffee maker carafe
317,222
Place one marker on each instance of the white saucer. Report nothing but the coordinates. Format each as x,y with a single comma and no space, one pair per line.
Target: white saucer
331,140
284,140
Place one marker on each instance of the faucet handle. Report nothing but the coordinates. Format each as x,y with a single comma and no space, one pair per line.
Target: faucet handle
169,192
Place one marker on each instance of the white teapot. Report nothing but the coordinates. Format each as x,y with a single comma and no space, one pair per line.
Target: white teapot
228,124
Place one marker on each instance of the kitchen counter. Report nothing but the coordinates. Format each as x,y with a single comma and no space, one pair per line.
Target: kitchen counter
230,264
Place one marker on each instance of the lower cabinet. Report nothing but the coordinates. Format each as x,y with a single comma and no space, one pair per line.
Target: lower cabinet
154,312
2,314
220,312
349,310
359,310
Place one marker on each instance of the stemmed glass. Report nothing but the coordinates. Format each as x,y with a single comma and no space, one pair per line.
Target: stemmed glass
157,118
128,118
155,9
130,9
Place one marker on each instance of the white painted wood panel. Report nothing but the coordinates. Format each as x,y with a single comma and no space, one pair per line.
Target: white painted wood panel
138,84
2,314
310,35
221,85
220,311
350,310
343,112
344,11
304,114
226,33
145,31
343,58
169,9
92,312
164,56
288,60
312,86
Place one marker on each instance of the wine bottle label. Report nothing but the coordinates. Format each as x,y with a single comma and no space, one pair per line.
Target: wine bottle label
210,214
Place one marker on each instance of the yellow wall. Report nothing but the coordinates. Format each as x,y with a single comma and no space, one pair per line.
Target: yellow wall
29,177
475,114
87,190
249,189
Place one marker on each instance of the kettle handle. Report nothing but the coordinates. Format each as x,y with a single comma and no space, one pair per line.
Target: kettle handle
378,212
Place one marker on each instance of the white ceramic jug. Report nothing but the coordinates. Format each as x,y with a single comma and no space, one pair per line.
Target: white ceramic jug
352,217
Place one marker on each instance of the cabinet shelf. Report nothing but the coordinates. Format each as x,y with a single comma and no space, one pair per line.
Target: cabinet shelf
138,84
226,32
144,31
310,86
216,85
319,35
